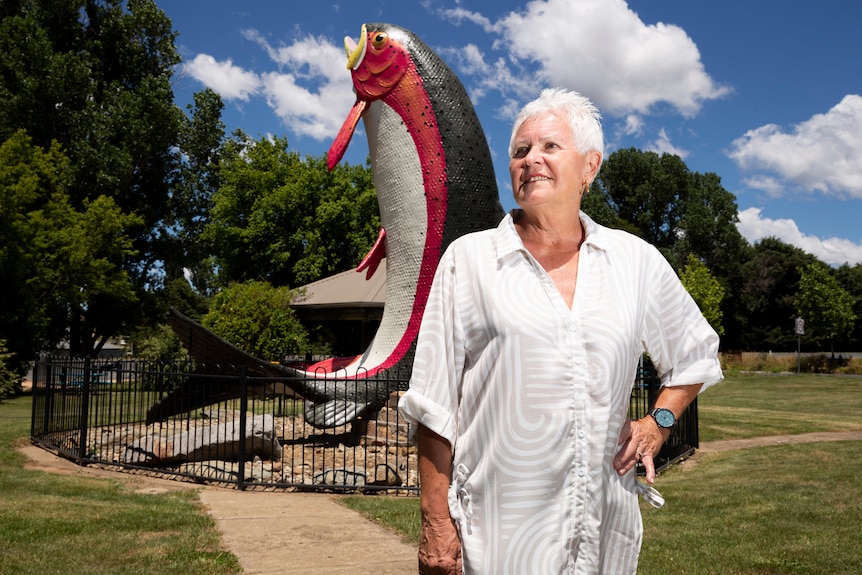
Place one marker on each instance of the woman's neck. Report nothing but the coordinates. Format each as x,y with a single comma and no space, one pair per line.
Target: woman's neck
549,230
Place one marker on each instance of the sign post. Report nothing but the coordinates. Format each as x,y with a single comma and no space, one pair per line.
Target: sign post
800,331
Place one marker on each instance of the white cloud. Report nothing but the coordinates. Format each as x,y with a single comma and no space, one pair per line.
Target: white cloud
230,81
634,125
768,184
834,251
457,15
487,77
663,145
314,98
311,92
602,49
822,154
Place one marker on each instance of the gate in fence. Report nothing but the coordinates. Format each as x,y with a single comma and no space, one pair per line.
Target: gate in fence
251,433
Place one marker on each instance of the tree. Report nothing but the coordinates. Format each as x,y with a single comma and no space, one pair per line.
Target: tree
647,191
94,76
770,279
850,279
257,318
706,290
29,176
8,378
285,219
60,266
824,305
680,212
201,140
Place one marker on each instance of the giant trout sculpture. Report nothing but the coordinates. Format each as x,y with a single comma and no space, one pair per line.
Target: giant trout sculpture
435,182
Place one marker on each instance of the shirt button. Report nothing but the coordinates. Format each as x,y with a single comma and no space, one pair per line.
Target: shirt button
581,433
581,472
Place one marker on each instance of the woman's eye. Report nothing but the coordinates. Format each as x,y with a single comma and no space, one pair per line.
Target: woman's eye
521,152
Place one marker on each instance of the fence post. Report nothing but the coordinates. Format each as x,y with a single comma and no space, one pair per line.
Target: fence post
85,412
243,409
48,392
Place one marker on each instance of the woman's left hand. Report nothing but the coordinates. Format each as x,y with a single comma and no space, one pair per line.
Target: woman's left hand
641,440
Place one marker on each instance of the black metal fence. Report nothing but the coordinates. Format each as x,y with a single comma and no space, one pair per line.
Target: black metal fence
216,424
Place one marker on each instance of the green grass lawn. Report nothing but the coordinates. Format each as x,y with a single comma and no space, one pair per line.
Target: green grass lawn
64,525
790,509
757,405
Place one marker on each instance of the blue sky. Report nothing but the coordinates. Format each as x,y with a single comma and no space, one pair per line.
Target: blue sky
767,93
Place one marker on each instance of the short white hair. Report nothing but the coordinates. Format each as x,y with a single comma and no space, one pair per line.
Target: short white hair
584,118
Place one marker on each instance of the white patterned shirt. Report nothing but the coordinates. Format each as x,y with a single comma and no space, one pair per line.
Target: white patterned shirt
531,395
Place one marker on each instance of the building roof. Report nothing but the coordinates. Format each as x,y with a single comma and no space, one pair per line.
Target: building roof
348,295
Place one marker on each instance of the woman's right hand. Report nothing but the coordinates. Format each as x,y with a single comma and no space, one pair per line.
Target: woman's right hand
439,547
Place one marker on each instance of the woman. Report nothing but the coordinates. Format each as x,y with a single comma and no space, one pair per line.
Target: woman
524,369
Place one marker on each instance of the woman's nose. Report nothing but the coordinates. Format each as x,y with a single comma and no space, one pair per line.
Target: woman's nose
532,156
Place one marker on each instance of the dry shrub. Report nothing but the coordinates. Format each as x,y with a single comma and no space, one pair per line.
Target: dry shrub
734,362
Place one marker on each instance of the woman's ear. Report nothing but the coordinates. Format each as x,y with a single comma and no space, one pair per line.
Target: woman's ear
594,161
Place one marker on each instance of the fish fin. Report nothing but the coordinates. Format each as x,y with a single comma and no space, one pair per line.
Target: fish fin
334,413
372,261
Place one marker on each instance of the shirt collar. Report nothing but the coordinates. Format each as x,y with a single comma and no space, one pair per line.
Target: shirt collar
508,240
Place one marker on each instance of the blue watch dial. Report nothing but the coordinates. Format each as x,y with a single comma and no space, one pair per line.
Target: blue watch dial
663,417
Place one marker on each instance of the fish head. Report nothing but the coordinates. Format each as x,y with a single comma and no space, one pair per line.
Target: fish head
377,64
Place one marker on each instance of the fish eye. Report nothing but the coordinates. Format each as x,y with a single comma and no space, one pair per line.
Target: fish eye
379,39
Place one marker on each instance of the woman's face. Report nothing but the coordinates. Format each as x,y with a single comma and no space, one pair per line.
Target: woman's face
546,166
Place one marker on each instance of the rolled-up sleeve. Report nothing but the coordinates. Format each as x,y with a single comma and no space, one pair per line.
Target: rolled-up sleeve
681,343
433,396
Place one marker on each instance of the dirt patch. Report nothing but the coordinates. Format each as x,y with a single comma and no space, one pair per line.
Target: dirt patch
45,460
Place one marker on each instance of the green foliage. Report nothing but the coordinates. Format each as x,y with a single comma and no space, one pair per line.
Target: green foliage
258,319
680,212
92,79
201,140
850,278
706,290
8,378
767,288
95,76
286,219
61,266
824,305
158,343
29,178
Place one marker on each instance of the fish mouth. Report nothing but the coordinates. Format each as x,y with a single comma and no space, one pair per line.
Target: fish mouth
355,56
356,52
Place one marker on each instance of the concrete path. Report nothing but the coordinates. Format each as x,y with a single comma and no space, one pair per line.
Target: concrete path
304,533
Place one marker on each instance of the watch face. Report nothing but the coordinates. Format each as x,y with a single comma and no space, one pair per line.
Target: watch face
664,417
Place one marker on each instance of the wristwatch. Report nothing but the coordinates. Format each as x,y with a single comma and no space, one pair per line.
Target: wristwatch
663,417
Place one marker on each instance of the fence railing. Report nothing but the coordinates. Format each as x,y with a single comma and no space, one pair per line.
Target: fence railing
216,424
